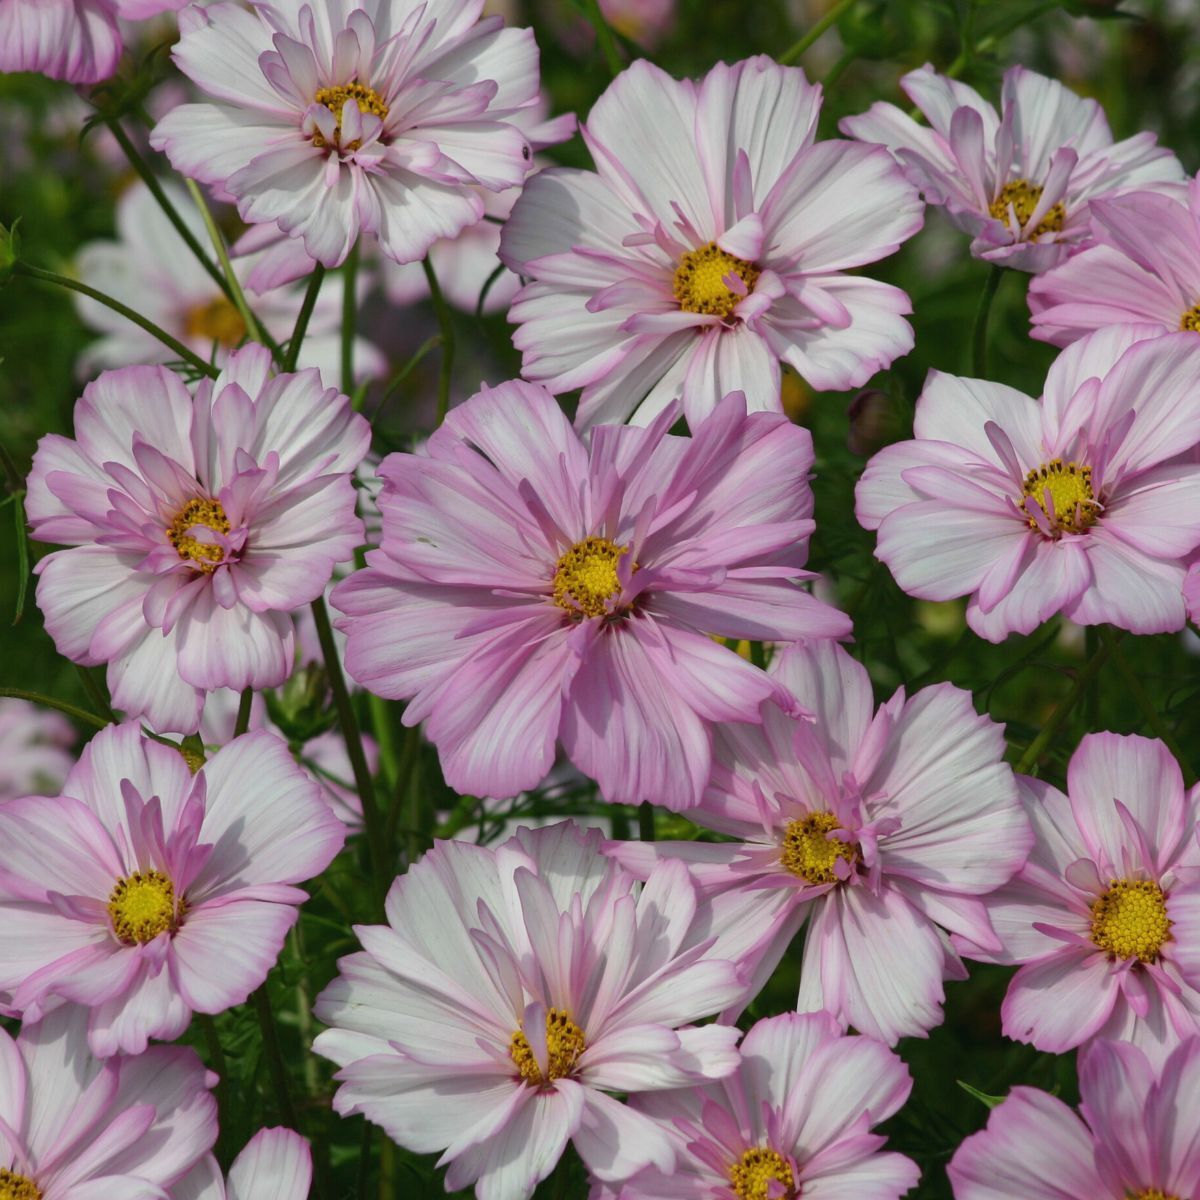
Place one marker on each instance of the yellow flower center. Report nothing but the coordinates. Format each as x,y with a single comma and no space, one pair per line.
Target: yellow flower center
564,1043
217,321
334,99
586,579
1130,920
211,515
809,851
1151,1194
142,906
1073,506
700,285
1191,319
752,1175
1023,196
17,1187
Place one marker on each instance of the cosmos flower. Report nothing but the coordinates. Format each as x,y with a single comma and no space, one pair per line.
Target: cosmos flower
793,1121
710,244
150,269
276,1164
75,1127
148,893
513,989
344,118
528,590
1144,269
1079,504
1106,915
35,749
195,526
878,829
1020,181
1134,1137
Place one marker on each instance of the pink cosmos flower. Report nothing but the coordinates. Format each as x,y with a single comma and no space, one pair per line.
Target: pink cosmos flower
1106,915
1134,1137
880,830
276,1164
1077,505
354,116
148,893
1143,269
794,1121
150,269
710,243
1020,181
529,590
196,524
646,22
510,992
35,749
77,1128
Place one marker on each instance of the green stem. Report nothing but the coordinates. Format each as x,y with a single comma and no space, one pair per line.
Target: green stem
273,1053
354,747
793,52
253,328
80,714
245,704
142,167
95,692
406,370
349,318
1161,730
302,318
1033,751
172,344
604,37
982,313
646,821
216,1056
446,324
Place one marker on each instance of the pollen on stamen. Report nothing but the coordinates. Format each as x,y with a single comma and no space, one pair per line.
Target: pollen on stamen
334,99
1191,319
586,577
1073,507
205,556
1130,920
1023,197
810,853
565,1042
700,285
17,1187
752,1175
142,906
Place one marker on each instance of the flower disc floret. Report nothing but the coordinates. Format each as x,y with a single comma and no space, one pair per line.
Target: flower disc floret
335,98
17,1187
206,556
142,906
1071,505
810,853
700,283
1023,197
752,1175
586,578
565,1042
1130,920
216,320
1191,319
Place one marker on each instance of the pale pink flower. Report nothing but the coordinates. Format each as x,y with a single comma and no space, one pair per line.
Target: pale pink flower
148,893
354,116
78,1128
528,590
794,1121
646,22
1077,504
196,525
1144,269
711,243
150,269
1020,181
1134,1137
35,749
1105,916
510,992
276,1164
879,829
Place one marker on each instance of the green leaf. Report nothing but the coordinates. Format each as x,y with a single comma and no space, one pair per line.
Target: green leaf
10,250
22,554
982,1097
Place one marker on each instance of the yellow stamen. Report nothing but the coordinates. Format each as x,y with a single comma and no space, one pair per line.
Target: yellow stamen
565,1042
1130,920
586,579
334,99
1024,197
217,321
1151,1194
752,1175
17,1187
810,853
700,285
142,906
1070,487
1191,319
208,513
